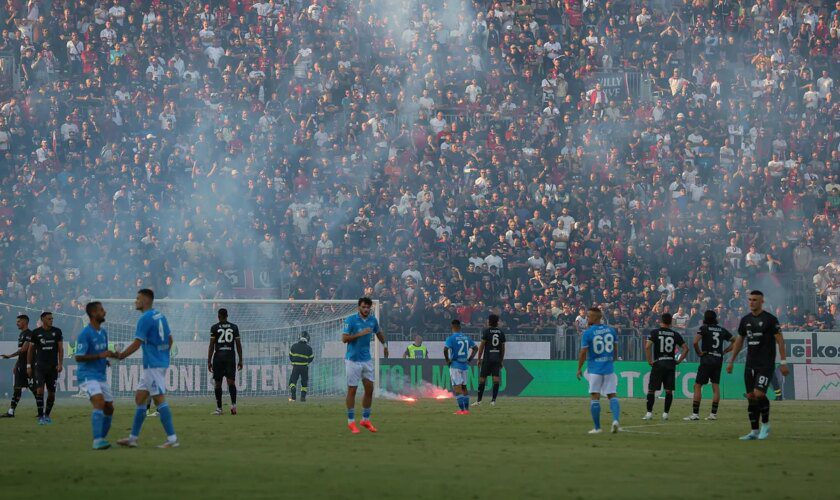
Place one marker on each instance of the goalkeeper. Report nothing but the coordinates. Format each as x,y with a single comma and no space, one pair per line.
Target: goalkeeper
300,354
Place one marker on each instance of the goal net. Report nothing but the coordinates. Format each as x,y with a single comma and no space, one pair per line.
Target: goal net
268,328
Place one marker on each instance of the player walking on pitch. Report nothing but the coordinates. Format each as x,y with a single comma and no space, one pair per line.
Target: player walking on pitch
92,356
459,350
21,380
663,342
708,344
492,351
154,336
46,350
597,347
764,335
221,359
358,362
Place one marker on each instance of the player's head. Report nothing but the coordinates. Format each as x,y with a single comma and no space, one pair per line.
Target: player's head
95,311
493,320
223,314
145,299
22,322
666,319
46,319
365,304
304,336
593,316
756,301
455,325
710,317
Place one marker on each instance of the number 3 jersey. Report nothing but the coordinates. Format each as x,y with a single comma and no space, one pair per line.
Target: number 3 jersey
225,335
600,343
665,342
712,338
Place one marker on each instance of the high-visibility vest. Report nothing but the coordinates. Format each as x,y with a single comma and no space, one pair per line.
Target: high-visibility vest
417,352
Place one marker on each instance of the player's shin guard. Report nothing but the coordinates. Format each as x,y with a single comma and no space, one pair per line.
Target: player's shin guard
166,421
351,415
50,403
764,409
232,391
15,399
97,421
753,411
106,425
595,409
39,402
365,414
217,391
651,397
695,407
480,391
137,424
669,400
495,390
615,409
715,405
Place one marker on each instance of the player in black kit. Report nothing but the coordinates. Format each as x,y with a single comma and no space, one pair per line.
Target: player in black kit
663,343
764,335
492,352
21,380
221,360
46,350
708,344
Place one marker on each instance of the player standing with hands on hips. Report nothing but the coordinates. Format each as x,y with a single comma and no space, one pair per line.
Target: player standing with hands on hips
459,350
763,334
356,334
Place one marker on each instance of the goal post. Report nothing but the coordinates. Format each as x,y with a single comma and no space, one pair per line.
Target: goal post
267,329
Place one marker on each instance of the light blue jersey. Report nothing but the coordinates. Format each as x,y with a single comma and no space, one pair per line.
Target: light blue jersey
359,349
600,342
153,330
91,341
459,346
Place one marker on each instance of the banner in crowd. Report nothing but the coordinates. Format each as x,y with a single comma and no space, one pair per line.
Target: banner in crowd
614,84
812,347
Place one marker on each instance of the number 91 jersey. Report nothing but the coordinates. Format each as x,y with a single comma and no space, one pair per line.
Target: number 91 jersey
600,343
225,335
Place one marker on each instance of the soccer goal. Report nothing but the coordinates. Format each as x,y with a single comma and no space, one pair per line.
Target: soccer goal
267,328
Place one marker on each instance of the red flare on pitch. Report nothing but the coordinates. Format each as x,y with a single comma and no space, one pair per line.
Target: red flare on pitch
441,396
408,399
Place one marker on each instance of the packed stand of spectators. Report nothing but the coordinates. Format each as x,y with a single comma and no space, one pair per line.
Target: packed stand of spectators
443,160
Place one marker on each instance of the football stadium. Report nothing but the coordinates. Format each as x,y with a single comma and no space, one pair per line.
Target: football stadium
420,249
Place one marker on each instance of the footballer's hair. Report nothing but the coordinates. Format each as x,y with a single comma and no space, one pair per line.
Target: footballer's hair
147,292
91,306
365,301
223,313
666,318
757,292
710,317
23,317
45,314
493,319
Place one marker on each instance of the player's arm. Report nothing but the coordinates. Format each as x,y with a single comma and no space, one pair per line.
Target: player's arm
132,348
241,362
446,355
210,350
736,349
473,352
581,359
684,353
502,353
697,338
481,350
384,341
405,354
20,351
648,355
347,337
60,342
780,344
30,353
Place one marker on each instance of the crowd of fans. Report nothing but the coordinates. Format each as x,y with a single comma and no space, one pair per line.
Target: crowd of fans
445,158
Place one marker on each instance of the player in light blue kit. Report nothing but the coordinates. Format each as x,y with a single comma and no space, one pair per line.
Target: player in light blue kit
92,357
597,347
154,336
459,350
358,362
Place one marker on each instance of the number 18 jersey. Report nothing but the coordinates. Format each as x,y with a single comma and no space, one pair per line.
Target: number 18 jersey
600,343
225,335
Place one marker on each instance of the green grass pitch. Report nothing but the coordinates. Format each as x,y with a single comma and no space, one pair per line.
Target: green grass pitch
523,448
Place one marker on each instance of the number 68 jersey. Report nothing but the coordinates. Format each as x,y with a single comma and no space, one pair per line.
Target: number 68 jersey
225,335
599,341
